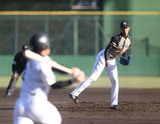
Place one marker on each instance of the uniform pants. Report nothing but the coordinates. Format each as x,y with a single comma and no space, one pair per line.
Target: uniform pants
96,72
28,111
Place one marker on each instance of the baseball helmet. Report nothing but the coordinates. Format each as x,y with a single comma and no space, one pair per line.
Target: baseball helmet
25,47
39,42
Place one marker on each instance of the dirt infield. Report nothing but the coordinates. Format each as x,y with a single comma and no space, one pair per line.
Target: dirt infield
136,106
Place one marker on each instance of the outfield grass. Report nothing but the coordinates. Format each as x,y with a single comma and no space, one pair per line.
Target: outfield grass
103,81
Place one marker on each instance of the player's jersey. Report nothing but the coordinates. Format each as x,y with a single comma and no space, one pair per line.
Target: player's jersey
19,63
119,43
37,78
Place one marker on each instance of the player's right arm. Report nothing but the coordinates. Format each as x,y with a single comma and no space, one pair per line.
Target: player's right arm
112,44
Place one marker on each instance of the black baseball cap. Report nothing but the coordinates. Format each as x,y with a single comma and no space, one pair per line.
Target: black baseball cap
124,24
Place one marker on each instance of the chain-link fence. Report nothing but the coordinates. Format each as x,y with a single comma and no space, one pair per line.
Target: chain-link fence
69,35
77,36
78,33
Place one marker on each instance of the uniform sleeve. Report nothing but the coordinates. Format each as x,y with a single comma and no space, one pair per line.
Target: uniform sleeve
114,41
19,62
15,63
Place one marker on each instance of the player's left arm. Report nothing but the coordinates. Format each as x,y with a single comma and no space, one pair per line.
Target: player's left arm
125,59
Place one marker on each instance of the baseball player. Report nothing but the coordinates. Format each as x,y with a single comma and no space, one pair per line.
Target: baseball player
32,105
106,58
18,66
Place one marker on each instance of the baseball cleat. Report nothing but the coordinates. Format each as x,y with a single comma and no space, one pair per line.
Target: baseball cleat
74,98
114,107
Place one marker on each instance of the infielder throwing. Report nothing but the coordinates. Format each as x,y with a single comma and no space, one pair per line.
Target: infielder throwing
106,58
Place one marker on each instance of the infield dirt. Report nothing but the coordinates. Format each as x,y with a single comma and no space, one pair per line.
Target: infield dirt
136,106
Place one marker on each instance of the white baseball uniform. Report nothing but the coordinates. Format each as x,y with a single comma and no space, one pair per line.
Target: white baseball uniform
33,105
117,44
96,72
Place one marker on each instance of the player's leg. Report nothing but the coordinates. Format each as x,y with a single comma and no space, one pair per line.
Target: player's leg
44,113
19,114
113,75
96,72
23,120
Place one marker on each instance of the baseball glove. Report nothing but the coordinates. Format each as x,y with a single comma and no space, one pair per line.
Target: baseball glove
78,75
125,61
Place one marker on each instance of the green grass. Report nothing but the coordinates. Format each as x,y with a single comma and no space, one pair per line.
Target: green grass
103,81
129,82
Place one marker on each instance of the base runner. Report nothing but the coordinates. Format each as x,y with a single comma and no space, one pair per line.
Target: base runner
106,58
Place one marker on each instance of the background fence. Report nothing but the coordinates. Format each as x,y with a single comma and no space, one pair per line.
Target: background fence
77,37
